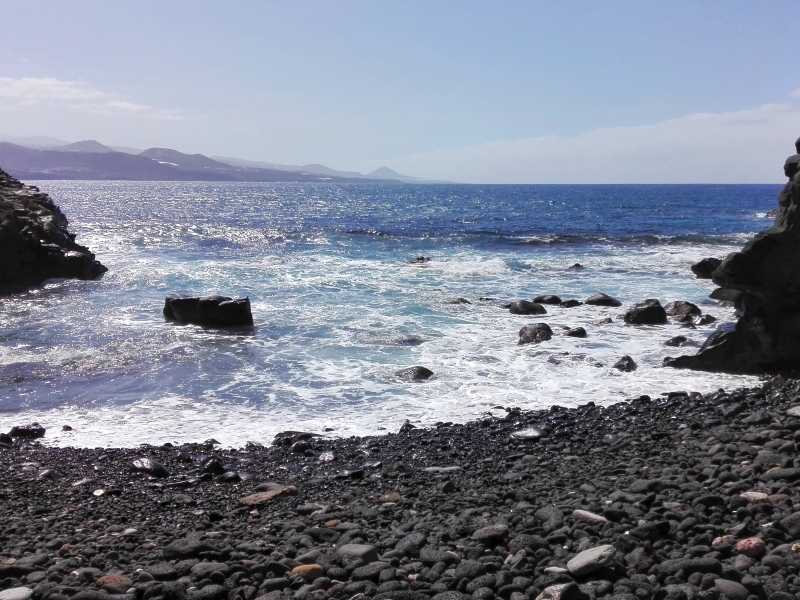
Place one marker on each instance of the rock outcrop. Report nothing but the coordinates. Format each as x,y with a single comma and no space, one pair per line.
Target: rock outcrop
35,244
211,311
763,281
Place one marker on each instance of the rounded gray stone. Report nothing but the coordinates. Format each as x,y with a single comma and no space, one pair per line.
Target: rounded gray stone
18,593
591,560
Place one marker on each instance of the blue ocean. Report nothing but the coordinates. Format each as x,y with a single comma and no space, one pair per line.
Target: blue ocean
339,306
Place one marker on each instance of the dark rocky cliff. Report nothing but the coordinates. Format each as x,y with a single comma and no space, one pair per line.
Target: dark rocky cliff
35,244
763,280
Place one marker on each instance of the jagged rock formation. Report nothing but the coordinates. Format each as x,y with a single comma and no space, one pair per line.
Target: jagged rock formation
35,244
763,280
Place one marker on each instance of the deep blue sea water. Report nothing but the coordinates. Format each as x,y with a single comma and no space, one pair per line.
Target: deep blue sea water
339,308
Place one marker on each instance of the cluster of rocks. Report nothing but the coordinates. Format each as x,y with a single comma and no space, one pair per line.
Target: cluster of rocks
685,496
35,243
763,281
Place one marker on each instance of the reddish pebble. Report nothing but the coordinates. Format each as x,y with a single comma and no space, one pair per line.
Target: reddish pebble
64,550
751,547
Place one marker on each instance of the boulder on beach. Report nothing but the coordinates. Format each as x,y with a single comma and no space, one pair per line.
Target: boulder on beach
647,312
211,311
763,281
35,243
706,267
526,307
602,300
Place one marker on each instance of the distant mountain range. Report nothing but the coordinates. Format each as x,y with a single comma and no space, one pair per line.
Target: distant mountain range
42,157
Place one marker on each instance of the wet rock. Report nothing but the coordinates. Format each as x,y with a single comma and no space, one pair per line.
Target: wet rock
535,333
570,303
682,308
547,299
210,311
578,332
32,431
677,341
414,374
626,364
602,300
705,320
526,307
647,312
706,267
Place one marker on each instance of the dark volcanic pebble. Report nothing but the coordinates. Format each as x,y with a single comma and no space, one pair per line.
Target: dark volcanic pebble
668,497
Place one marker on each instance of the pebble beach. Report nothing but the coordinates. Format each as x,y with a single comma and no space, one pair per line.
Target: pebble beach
672,497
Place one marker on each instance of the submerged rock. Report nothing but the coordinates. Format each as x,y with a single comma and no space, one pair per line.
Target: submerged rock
763,280
35,243
211,311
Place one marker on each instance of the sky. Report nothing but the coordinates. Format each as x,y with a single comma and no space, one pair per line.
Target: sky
469,91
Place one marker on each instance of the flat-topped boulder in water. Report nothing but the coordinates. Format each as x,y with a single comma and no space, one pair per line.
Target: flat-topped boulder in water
35,243
211,311
647,312
763,280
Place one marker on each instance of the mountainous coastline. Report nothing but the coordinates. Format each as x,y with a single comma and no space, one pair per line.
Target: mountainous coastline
50,158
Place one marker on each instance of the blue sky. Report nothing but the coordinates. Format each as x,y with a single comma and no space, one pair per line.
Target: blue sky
466,91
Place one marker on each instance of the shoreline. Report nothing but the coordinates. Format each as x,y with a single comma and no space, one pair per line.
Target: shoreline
453,509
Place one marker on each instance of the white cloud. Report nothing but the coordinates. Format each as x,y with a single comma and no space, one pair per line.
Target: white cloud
747,146
796,93
32,91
